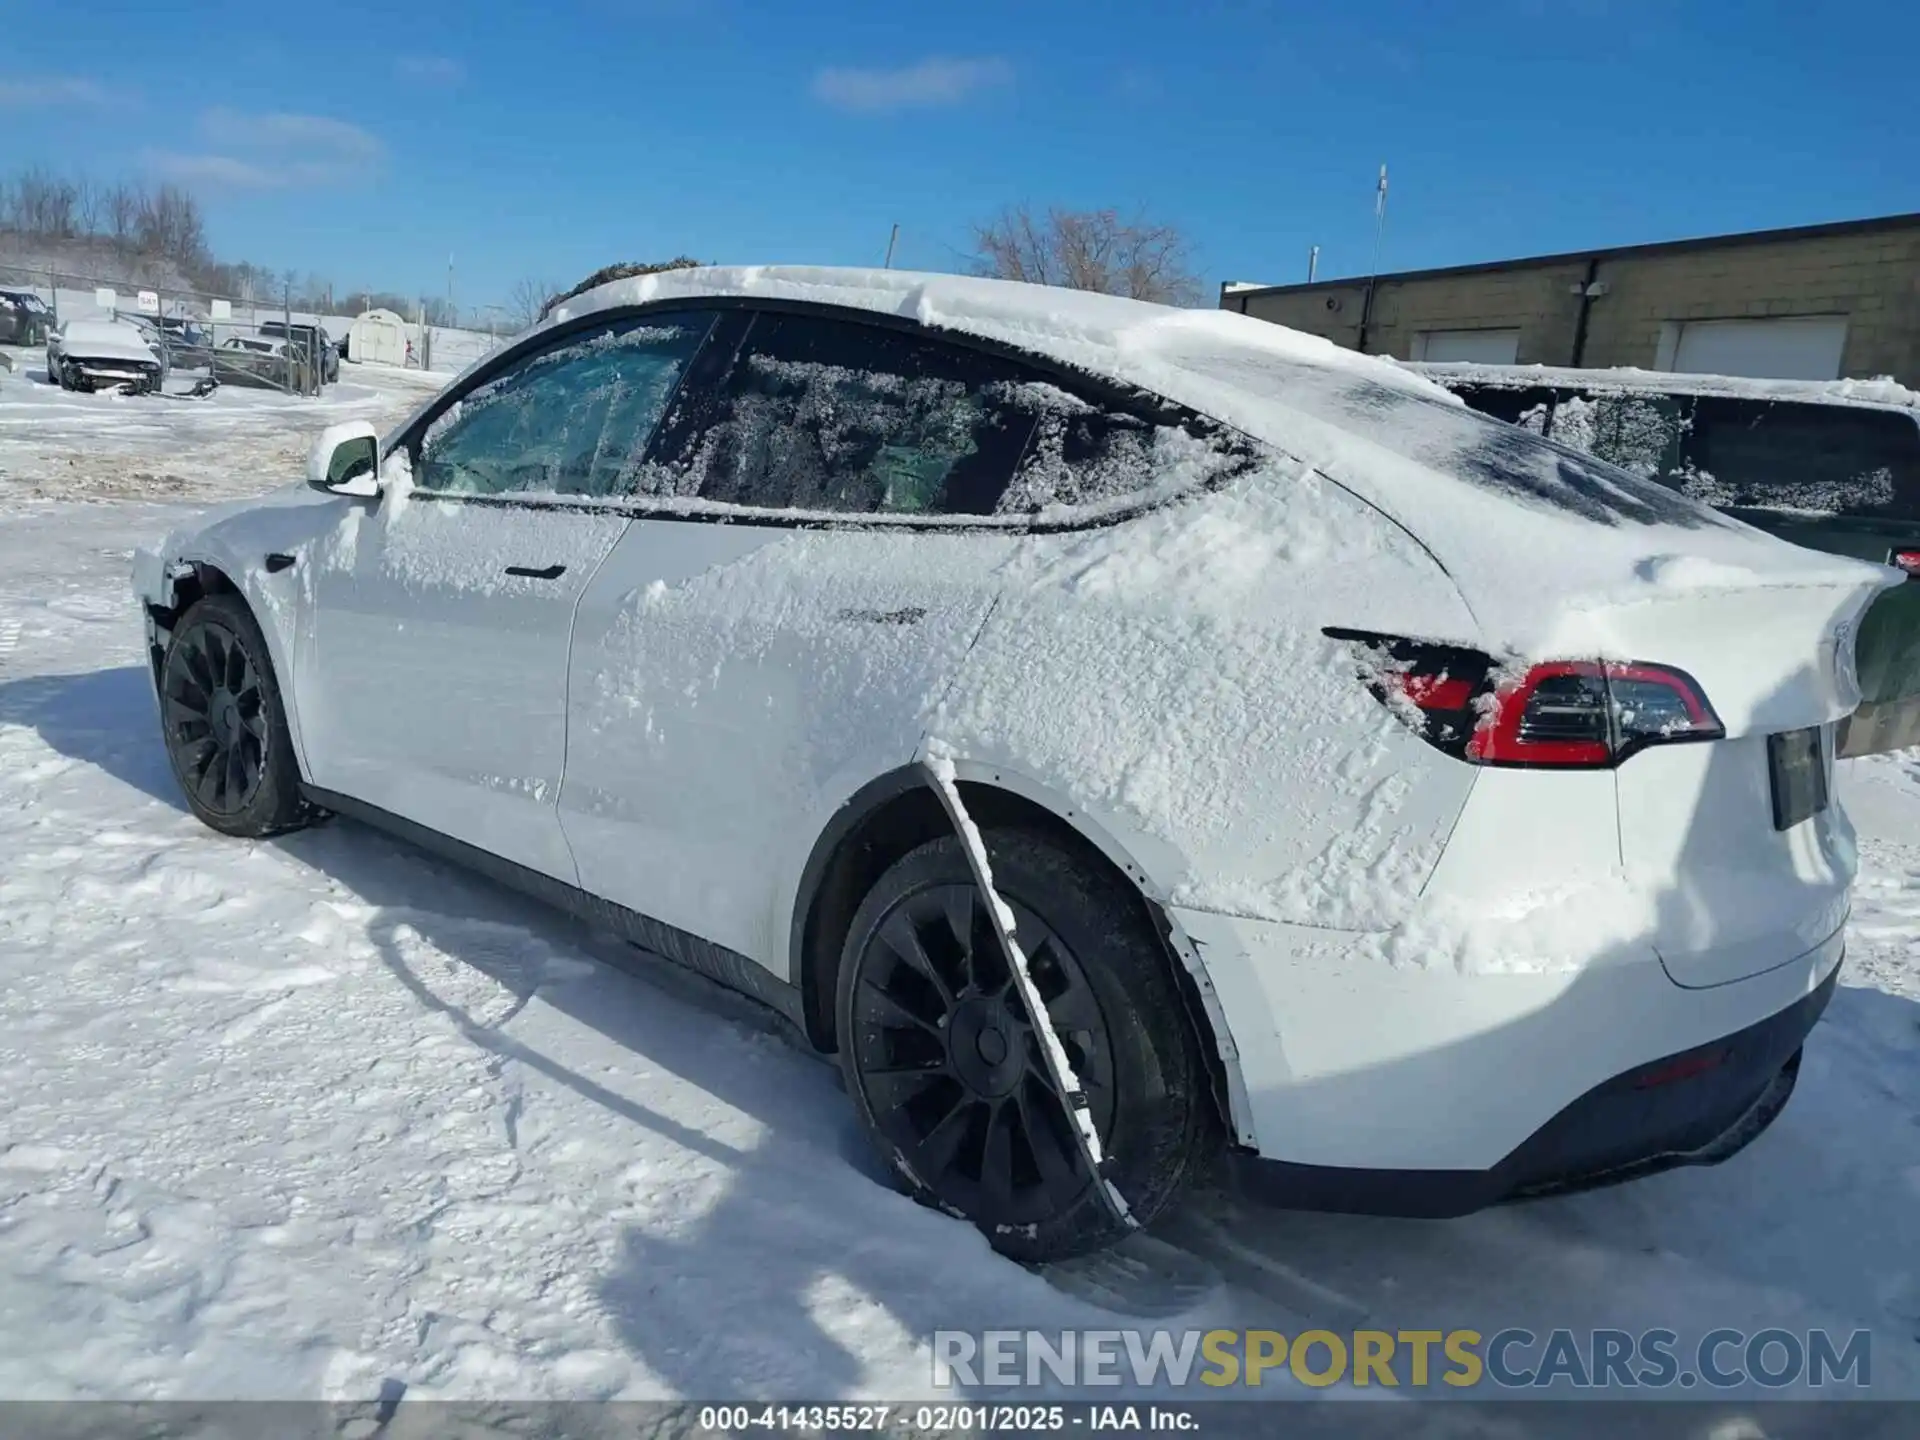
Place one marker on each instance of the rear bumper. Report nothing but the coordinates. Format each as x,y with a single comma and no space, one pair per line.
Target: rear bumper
1696,1107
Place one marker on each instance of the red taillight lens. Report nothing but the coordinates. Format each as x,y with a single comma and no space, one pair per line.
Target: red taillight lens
1582,714
1905,559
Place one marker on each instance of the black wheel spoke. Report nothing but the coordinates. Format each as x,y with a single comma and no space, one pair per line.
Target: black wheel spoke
938,1148
207,780
199,669
903,938
902,1087
957,911
1058,1165
187,692
877,998
996,1159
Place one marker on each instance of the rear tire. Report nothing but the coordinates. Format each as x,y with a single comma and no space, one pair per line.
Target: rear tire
224,723
947,1076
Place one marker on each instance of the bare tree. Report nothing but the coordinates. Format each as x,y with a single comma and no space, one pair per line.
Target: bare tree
89,207
527,302
1089,250
123,215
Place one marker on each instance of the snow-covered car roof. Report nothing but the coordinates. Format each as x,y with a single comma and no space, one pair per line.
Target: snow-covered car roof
1881,394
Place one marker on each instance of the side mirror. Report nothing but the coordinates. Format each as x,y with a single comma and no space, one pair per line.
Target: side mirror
345,460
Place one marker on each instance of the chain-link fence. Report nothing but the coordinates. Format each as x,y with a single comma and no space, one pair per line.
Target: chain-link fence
200,340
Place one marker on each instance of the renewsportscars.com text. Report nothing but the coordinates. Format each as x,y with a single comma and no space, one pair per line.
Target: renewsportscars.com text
1413,1359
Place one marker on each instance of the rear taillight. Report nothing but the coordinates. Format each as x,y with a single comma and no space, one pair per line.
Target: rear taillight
1906,558
1579,714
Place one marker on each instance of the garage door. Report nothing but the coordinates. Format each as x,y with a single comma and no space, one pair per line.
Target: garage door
1791,348
1472,347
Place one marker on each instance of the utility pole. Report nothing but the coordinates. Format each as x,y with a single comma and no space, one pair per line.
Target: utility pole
890,243
1313,263
1373,280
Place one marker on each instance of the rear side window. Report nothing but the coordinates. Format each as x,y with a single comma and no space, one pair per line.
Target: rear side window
827,415
1641,433
821,414
1819,459
575,419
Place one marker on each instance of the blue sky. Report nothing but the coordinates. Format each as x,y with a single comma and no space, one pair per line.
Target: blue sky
367,142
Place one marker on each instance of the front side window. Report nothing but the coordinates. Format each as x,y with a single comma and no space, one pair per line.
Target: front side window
571,420
1786,456
828,415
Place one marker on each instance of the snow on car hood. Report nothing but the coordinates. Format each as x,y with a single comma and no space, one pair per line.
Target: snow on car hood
105,342
1540,539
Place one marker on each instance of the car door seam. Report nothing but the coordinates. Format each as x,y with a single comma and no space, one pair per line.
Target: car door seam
566,692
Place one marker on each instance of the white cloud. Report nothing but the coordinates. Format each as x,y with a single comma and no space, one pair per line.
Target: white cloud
931,82
24,92
437,70
278,151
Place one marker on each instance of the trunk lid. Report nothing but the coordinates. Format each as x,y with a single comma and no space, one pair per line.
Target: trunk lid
1739,878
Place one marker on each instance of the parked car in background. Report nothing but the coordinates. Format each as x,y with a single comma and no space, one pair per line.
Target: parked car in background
24,318
252,360
307,340
89,354
186,343
1834,466
1082,717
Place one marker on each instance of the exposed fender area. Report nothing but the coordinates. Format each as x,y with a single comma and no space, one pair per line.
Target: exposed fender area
895,812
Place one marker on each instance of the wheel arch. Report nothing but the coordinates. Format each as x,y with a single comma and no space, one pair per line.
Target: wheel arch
899,811
185,580
183,583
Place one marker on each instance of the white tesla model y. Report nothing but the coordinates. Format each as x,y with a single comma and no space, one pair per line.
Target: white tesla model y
1416,811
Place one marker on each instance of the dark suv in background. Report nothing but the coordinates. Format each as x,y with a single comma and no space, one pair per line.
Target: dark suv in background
1832,465
307,340
24,318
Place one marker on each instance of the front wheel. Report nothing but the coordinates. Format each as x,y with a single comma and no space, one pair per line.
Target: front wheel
225,728
946,1071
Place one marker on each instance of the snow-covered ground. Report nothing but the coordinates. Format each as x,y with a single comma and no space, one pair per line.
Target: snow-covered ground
304,1117
237,441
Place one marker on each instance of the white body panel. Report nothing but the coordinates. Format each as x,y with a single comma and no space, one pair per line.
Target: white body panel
733,686
436,687
1350,1062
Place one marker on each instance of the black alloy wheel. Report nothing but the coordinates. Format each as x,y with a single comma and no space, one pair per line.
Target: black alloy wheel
945,1067
215,722
225,734
954,1067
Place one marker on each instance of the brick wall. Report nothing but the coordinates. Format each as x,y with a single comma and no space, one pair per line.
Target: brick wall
1871,276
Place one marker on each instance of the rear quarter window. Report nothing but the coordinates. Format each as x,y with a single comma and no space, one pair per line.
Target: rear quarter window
1459,440
1803,459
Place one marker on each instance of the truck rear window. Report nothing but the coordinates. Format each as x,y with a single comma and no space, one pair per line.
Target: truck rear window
1818,459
